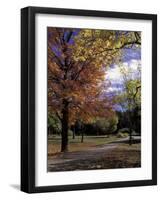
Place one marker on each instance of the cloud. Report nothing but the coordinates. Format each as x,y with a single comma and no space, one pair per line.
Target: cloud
115,76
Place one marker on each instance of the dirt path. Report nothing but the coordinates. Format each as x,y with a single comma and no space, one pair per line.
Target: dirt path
71,158
99,157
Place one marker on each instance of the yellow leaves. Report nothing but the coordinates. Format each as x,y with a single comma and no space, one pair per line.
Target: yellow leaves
118,44
87,33
81,58
77,71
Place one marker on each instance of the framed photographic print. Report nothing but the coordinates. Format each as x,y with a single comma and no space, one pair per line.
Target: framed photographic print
88,99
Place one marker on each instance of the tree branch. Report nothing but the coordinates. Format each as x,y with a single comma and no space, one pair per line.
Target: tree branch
137,89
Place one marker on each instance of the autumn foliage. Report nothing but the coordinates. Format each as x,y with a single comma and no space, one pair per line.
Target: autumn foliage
77,64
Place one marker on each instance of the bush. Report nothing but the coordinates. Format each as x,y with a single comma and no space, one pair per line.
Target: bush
122,135
123,130
54,125
105,126
70,132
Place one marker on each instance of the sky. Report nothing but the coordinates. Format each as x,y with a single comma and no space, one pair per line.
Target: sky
131,60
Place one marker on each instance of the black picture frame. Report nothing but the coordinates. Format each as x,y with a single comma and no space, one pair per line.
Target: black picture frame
28,98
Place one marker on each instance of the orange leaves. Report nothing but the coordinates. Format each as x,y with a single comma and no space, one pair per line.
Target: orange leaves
54,69
76,72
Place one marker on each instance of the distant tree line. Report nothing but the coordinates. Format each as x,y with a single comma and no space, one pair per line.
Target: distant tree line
134,121
101,126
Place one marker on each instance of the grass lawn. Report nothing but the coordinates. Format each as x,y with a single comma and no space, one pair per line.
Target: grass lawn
125,156
54,143
122,156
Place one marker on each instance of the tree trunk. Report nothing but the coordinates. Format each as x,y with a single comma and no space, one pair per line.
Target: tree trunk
130,134
74,132
65,121
130,137
82,138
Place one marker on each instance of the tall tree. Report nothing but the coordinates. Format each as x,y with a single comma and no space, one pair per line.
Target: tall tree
130,98
77,62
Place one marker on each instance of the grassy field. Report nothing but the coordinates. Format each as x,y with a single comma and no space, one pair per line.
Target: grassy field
125,155
121,156
54,143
